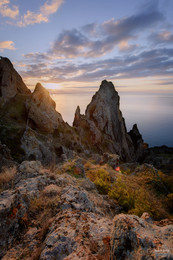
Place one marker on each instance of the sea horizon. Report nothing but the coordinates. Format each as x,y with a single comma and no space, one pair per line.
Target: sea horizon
151,112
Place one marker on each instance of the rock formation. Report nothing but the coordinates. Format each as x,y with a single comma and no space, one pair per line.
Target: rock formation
41,110
31,126
135,238
137,141
10,81
103,124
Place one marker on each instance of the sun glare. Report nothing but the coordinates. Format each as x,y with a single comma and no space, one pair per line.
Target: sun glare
52,85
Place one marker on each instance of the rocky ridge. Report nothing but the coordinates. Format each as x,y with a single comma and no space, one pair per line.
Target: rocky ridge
30,119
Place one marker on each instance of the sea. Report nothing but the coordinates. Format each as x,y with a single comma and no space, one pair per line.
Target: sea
153,113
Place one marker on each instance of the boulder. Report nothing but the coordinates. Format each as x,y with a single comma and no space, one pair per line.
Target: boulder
38,147
41,111
136,238
77,236
11,82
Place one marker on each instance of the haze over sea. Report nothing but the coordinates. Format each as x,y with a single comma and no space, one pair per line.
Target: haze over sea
152,112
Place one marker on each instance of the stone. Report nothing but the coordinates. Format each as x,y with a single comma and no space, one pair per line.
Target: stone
38,147
11,82
111,159
134,238
30,167
77,236
41,111
74,198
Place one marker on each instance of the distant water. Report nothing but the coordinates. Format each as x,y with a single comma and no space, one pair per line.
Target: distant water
152,113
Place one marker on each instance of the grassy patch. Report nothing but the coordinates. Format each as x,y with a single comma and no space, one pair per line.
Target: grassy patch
136,193
7,177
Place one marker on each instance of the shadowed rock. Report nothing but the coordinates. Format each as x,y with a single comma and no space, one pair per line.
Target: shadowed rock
11,82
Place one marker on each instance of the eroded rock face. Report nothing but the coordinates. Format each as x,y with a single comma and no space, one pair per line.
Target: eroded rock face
11,82
104,123
135,238
41,110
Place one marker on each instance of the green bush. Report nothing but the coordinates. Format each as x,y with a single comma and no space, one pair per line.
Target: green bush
101,179
122,195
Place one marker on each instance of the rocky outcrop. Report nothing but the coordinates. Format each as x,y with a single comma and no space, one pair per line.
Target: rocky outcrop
136,238
103,125
80,225
137,141
50,215
41,111
32,128
11,82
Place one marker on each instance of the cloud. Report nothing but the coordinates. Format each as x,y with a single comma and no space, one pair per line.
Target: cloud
94,40
48,8
156,62
7,45
51,7
165,37
125,46
6,11
70,44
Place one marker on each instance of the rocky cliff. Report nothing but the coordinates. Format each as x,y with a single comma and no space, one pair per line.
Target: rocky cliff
36,130
103,125
10,81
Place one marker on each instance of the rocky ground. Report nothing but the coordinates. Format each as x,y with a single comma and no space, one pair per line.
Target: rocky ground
50,214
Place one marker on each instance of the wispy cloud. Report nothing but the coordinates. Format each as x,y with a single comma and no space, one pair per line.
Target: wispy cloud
49,7
12,11
156,62
164,37
7,45
7,11
94,40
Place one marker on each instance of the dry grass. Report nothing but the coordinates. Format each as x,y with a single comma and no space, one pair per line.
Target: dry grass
142,192
7,177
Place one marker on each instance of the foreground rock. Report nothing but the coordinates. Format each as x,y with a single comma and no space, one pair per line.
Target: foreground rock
81,221
135,238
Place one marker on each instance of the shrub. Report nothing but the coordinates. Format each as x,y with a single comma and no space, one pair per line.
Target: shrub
7,177
101,179
122,195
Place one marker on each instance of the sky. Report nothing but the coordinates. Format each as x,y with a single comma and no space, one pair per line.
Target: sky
70,46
